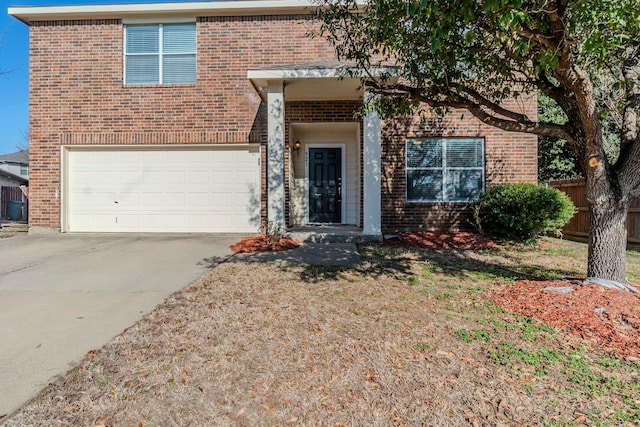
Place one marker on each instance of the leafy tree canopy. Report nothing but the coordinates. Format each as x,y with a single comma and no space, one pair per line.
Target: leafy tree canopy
473,54
582,54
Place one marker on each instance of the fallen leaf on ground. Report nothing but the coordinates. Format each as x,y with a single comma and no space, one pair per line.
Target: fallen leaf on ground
440,240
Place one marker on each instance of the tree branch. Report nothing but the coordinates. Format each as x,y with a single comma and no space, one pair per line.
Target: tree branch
537,37
510,121
631,112
496,108
555,12
629,168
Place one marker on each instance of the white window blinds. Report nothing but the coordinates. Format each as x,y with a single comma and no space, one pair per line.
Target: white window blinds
160,54
444,169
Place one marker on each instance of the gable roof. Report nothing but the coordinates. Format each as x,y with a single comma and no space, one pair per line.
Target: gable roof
17,157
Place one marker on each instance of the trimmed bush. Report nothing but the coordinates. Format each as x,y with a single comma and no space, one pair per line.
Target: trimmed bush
522,211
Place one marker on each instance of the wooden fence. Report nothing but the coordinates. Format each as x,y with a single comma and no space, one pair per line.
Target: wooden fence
13,194
578,227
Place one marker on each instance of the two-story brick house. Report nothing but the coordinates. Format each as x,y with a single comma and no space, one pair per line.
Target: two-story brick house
220,116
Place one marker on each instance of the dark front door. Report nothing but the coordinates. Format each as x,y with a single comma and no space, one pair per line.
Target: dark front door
325,185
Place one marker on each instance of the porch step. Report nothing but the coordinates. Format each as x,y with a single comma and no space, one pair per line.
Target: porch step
337,234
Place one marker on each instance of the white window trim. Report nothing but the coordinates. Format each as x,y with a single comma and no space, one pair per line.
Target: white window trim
160,53
443,168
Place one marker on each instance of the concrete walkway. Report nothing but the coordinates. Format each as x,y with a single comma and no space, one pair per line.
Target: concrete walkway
328,254
63,295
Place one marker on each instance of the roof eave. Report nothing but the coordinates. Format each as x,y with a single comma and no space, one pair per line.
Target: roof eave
28,14
13,176
316,81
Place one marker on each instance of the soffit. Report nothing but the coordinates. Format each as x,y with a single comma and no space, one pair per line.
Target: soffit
312,81
28,14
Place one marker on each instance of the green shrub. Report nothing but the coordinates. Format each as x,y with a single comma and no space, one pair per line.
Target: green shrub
522,211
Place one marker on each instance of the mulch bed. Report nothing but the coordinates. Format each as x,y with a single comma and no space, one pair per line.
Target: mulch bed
261,243
616,330
440,240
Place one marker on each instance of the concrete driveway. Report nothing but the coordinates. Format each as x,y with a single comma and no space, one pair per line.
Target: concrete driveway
63,295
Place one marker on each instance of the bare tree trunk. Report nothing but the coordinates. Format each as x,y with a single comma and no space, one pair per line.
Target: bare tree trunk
608,241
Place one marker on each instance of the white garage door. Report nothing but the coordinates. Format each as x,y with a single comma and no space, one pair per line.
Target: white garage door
163,190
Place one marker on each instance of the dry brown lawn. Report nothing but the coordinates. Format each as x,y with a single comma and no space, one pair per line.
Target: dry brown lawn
405,339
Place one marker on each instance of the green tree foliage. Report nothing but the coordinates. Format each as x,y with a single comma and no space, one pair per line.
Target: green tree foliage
475,55
556,159
522,211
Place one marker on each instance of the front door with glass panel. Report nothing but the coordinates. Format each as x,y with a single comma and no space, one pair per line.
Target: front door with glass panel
325,185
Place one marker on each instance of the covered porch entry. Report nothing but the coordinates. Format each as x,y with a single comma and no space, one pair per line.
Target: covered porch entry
324,174
323,167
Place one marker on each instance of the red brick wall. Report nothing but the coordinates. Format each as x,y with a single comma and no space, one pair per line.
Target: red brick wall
509,157
77,94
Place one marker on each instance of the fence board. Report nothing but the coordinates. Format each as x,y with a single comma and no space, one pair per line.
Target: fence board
578,226
13,194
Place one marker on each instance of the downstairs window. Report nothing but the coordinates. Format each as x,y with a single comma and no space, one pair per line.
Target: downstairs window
444,169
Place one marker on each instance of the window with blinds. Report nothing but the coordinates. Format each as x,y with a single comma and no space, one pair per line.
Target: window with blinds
160,54
444,169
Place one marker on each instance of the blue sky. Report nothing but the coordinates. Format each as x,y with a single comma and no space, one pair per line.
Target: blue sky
14,57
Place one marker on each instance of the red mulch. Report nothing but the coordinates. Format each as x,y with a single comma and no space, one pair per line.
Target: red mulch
259,243
441,240
575,312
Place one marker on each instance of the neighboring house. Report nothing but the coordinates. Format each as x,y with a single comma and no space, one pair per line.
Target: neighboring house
225,115
16,163
8,179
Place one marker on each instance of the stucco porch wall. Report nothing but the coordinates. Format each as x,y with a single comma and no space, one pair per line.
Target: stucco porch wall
300,113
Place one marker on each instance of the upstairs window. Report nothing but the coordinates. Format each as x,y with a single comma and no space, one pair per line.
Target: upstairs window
160,53
24,170
444,169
